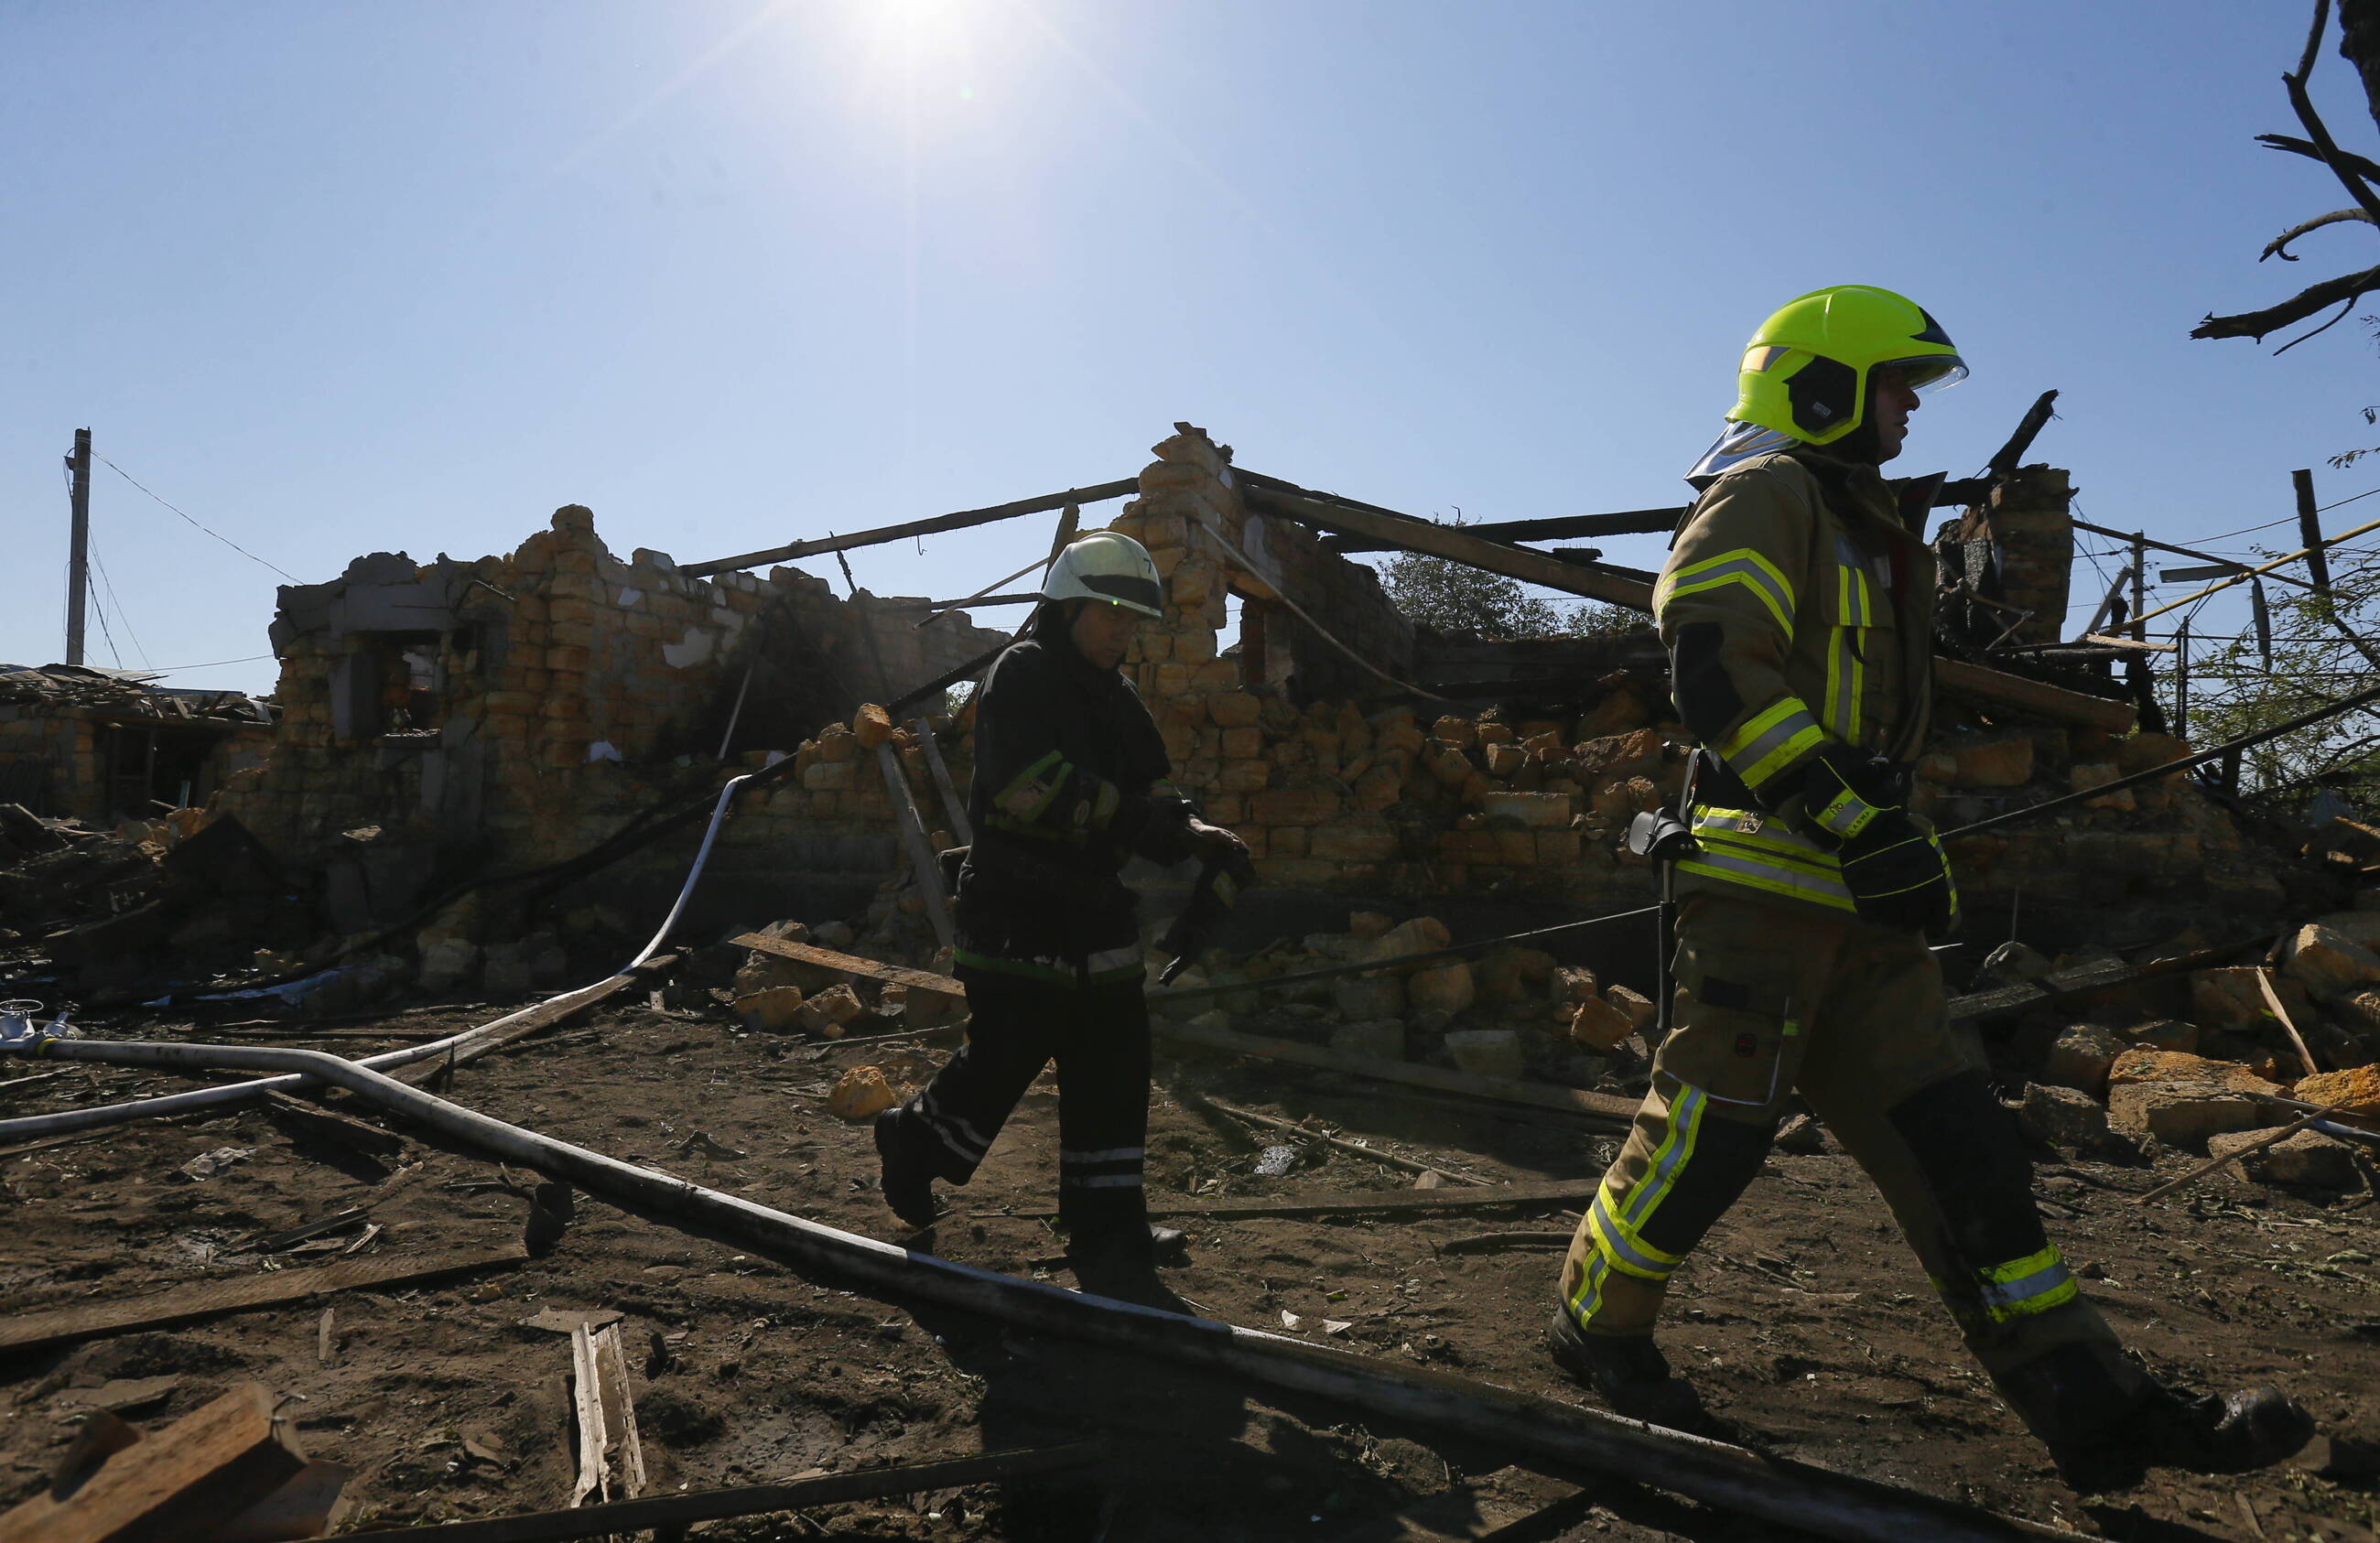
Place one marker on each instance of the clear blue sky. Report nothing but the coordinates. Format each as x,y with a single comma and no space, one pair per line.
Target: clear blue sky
338,278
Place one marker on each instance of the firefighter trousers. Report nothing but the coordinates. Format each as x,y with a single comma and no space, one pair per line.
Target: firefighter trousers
1099,1036
1774,1000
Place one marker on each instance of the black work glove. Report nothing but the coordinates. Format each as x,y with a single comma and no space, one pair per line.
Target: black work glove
1894,868
1898,876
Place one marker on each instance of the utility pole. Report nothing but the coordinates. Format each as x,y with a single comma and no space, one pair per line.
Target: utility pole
78,545
2309,531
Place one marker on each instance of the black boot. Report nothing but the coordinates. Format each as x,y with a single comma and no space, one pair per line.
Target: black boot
1628,1372
2107,1427
908,1179
1122,1265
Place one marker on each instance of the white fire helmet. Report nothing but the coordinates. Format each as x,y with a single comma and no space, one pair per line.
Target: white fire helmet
1111,566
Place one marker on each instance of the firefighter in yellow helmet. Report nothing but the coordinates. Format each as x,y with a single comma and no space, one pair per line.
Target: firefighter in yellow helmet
1797,607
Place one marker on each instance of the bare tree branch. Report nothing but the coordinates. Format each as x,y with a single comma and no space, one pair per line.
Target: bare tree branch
2306,302
2340,315
2357,188
2279,245
2361,166
2314,38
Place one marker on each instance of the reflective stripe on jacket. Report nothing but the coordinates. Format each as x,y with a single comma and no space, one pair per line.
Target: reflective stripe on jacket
1798,609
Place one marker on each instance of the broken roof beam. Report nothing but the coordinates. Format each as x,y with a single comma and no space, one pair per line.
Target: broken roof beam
1405,533
958,521
1627,522
2054,702
2228,565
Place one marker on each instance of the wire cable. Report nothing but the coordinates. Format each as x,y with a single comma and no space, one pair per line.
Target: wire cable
216,534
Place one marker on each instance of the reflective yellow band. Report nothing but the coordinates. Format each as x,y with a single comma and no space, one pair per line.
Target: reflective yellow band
1848,815
1029,793
1670,1158
1846,678
2022,1287
1770,740
1742,566
1619,1242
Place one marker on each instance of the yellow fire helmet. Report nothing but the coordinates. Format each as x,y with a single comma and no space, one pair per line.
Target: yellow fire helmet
1806,372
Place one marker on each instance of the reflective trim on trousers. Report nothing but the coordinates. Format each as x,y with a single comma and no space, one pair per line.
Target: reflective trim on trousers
1670,1158
2022,1287
1626,1251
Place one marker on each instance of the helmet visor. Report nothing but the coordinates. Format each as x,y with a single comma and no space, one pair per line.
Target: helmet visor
1928,372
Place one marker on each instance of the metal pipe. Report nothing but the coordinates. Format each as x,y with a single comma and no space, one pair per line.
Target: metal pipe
1555,1435
33,1127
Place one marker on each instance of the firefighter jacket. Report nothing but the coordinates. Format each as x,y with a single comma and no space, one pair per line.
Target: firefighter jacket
1069,785
1797,606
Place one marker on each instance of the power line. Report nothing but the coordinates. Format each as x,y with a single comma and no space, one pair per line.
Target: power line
121,614
216,534
168,669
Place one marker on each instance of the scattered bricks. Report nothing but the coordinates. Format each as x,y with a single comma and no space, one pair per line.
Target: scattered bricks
1537,811
1624,707
825,1013
1574,983
1461,732
1359,997
2309,1158
1640,1008
1446,986
1510,975
1495,734
1364,926
2229,998
1361,838
871,726
2358,1089
2066,1118
2001,760
1293,805
775,1010
2166,1034
1381,1038
2361,926
1618,800
1598,1024
1505,759
2143,751
1446,762
836,743
1486,1052
1396,730
1474,787
2183,1099
861,1095
2358,1012
1418,936
2080,1059
2330,964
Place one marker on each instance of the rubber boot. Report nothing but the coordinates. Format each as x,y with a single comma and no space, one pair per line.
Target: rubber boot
1122,1265
907,1178
2105,1430
1628,1372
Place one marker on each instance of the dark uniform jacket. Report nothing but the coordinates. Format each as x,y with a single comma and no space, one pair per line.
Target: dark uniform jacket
1069,785
1798,607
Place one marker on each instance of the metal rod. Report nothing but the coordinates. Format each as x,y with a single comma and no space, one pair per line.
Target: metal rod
959,521
952,805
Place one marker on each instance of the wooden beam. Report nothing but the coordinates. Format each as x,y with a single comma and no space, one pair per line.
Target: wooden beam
1460,545
1540,1095
851,964
676,1510
958,521
2036,697
1976,1005
537,1020
214,1461
1554,1192
1628,522
2179,551
242,1294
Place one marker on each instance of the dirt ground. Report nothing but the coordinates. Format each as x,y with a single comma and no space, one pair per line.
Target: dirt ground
1802,1320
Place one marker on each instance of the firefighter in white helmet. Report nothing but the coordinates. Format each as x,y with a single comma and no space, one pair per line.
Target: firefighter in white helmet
1070,782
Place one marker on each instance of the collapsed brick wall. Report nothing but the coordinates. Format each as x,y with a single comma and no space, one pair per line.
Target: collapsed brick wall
514,711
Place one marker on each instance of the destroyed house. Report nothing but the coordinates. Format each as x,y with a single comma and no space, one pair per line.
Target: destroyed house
101,746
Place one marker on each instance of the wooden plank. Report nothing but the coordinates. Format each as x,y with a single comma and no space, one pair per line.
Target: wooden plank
536,1020
959,521
672,1511
2297,1041
2032,696
212,1298
594,1435
1553,1192
1976,1005
216,1461
922,862
1540,1095
851,964
298,1118
1441,541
